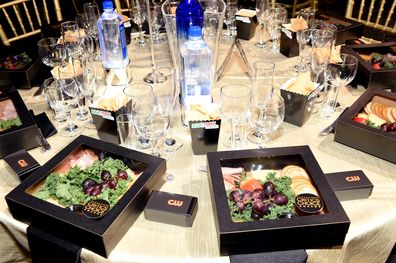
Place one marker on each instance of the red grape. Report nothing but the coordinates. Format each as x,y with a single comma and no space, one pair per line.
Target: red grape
280,199
112,183
241,206
247,196
258,194
269,188
392,127
95,191
259,207
122,174
255,216
88,183
235,195
384,127
105,175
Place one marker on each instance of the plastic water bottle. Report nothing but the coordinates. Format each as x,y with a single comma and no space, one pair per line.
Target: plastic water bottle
188,13
196,75
112,38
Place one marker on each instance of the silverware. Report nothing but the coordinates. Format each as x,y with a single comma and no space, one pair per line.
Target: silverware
331,127
38,92
43,143
220,71
244,58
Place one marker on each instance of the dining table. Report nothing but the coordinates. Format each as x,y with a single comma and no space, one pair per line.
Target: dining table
372,232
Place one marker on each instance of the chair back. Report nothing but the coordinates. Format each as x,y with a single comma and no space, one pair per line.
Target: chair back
24,18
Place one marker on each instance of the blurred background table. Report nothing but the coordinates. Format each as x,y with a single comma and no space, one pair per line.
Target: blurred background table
372,232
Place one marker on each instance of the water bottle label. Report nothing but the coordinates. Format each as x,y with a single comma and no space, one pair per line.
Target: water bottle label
123,41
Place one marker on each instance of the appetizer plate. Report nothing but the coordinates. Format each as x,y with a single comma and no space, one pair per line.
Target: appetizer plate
269,222
72,196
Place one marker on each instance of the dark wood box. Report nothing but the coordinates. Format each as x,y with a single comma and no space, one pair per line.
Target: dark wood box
102,235
366,75
25,136
362,137
310,231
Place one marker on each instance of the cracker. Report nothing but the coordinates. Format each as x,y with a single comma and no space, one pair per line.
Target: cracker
389,114
367,108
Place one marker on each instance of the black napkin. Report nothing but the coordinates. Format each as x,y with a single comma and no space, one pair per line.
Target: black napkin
45,247
288,256
44,124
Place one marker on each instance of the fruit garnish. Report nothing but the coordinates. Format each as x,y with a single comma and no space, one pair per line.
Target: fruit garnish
360,120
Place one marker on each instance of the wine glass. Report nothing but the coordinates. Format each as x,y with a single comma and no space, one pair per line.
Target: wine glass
339,74
138,15
229,18
92,14
71,37
157,24
234,104
50,51
262,89
88,88
166,95
270,118
303,39
53,95
261,7
142,106
277,15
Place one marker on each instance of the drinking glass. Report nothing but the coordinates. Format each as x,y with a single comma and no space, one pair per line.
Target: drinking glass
92,13
142,107
322,41
166,95
303,39
234,103
138,15
50,51
157,23
276,17
261,7
71,37
270,117
53,95
229,18
126,130
262,89
339,74
65,104
87,82
74,71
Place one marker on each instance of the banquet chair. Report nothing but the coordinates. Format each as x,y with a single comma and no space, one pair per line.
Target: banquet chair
20,19
296,5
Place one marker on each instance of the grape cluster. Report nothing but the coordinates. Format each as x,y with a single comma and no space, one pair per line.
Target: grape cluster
388,127
93,188
262,200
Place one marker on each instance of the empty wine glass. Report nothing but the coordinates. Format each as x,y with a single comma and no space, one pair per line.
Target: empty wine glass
166,95
71,37
92,13
142,106
138,15
229,18
157,23
261,7
262,88
339,74
50,51
88,88
303,39
234,104
271,117
53,95
276,17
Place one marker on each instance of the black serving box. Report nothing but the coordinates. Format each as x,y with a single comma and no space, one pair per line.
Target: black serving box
350,185
170,208
100,235
362,137
366,75
28,76
245,23
25,136
328,228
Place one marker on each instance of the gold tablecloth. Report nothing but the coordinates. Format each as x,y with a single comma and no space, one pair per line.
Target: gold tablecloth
372,232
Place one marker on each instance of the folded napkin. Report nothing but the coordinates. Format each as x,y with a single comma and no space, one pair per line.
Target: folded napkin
67,71
45,247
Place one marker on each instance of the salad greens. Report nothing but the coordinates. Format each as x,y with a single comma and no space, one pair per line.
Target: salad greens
67,188
6,124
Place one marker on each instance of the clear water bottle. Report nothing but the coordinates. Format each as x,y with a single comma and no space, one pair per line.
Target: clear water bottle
188,13
112,38
196,70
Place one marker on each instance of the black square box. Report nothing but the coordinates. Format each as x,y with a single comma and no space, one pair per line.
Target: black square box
327,228
101,235
24,136
366,75
350,185
21,163
362,137
170,208
245,24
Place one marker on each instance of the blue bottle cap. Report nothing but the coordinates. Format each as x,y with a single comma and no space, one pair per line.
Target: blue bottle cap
107,5
194,31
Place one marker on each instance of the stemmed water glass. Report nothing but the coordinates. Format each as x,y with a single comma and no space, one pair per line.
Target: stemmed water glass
88,88
303,39
276,17
229,18
272,116
157,23
261,7
262,87
54,97
339,74
138,15
142,106
71,37
235,103
166,96
50,51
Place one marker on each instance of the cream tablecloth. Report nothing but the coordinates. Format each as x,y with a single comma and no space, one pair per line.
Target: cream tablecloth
372,232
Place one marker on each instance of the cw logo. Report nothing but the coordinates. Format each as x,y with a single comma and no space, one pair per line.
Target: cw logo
352,178
175,202
22,163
